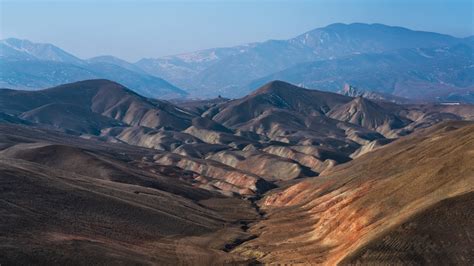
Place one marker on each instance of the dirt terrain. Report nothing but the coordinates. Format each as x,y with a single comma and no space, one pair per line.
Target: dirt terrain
66,200
93,173
409,202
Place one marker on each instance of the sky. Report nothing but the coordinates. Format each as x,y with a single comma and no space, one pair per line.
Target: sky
144,28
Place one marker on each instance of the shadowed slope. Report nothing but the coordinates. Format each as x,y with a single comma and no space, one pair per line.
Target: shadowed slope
102,97
67,200
69,116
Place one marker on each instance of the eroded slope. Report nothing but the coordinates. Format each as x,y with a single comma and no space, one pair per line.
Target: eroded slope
348,210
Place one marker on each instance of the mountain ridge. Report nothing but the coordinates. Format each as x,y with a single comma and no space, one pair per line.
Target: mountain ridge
274,55
417,74
28,65
233,71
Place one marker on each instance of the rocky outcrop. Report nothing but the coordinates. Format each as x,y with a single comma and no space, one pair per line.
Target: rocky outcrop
268,166
217,174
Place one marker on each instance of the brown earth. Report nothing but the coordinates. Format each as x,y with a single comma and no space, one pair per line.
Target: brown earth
66,200
375,208
93,173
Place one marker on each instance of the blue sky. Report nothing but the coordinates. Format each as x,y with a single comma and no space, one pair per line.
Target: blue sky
145,28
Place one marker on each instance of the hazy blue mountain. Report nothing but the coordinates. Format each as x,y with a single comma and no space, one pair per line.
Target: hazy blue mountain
469,40
142,83
221,70
23,49
32,66
36,74
417,73
373,57
116,61
184,68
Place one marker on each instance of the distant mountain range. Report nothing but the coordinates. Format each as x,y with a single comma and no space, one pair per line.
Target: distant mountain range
416,73
31,66
237,70
374,57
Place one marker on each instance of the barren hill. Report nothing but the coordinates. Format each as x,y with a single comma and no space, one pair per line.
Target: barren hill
93,173
66,200
103,97
389,205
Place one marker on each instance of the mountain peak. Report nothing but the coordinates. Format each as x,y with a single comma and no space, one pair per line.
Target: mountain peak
106,58
15,42
110,59
276,86
93,83
361,102
349,90
361,25
87,88
13,47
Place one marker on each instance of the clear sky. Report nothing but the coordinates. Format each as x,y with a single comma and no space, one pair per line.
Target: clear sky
145,28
